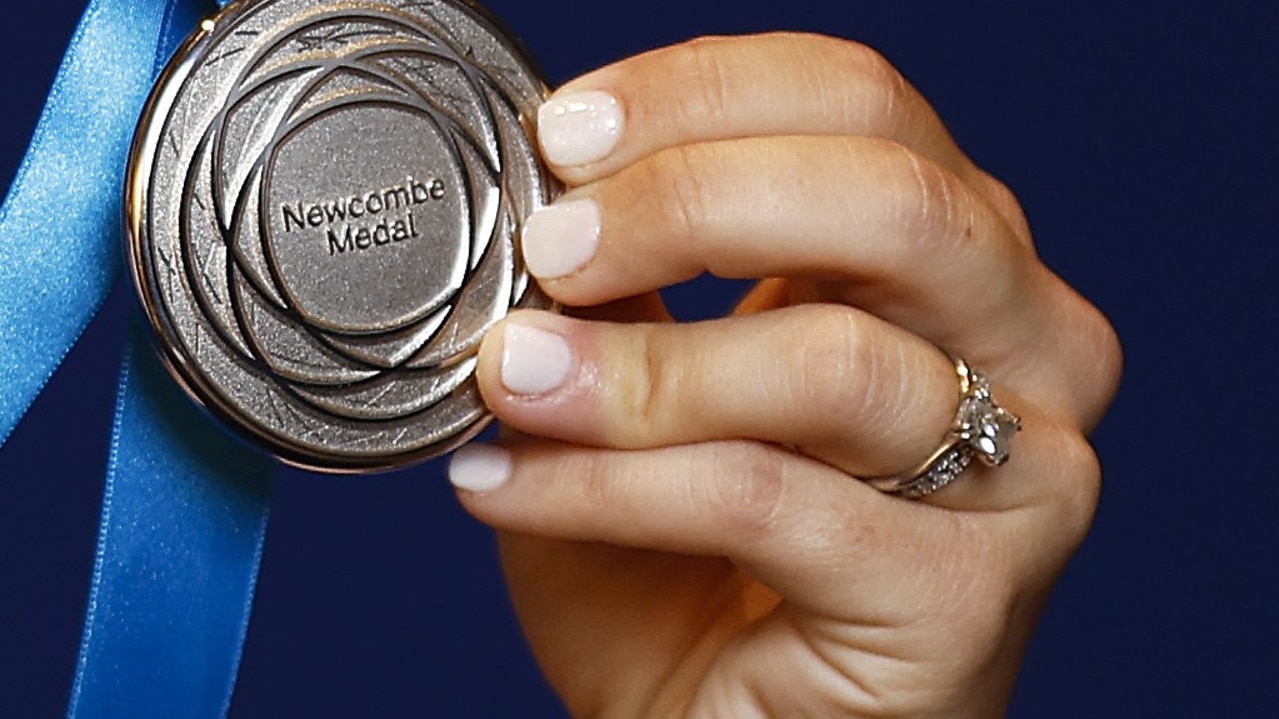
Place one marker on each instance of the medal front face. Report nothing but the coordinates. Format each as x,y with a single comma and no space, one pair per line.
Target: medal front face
322,215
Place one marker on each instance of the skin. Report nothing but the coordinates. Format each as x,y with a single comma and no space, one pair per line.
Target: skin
683,528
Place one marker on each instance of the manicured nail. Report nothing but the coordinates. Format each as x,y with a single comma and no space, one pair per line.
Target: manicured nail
559,239
534,361
480,467
579,128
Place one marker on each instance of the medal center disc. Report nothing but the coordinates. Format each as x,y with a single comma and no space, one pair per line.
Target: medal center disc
367,220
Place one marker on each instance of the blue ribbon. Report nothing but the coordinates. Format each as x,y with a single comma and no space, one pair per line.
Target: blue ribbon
58,259
185,508
183,520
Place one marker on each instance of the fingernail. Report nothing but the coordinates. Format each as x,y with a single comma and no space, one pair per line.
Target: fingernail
534,361
480,467
579,128
559,239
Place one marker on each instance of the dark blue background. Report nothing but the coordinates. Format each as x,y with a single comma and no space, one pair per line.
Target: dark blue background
1141,138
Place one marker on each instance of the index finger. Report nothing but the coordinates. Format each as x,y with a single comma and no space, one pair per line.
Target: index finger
722,88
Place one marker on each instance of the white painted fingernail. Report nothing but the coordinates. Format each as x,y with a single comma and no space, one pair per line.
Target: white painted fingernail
480,467
559,239
579,128
534,361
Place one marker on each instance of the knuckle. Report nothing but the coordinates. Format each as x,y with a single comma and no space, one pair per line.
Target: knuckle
705,93
872,65
842,376
1083,382
1004,201
646,395
680,181
1067,499
589,484
1079,489
940,216
821,67
851,84
1108,360
886,90
744,490
929,204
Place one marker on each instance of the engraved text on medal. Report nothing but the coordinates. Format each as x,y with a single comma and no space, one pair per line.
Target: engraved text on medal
365,220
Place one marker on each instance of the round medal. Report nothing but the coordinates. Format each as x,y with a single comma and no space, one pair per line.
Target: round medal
322,213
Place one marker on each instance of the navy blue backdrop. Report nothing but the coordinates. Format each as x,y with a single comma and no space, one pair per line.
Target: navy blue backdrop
1141,139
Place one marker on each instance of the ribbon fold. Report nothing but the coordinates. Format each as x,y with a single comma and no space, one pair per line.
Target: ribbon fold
185,507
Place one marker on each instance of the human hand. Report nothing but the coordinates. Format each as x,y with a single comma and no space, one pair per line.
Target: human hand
682,525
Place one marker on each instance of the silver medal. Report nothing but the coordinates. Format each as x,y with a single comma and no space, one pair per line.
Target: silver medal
322,207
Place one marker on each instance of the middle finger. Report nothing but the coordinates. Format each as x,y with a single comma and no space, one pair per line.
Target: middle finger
923,249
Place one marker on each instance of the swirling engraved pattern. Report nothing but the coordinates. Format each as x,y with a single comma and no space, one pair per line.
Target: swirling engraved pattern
345,223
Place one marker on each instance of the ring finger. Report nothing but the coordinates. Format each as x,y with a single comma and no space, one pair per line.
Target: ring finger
833,382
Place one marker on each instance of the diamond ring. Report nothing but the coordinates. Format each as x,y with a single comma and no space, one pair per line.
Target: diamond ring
982,430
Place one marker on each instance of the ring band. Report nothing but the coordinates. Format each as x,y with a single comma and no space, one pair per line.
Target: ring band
982,430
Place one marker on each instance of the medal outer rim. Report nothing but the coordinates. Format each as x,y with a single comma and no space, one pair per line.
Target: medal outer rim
141,164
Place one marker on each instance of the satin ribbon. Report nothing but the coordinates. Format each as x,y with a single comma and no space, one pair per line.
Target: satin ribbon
185,507
183,519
